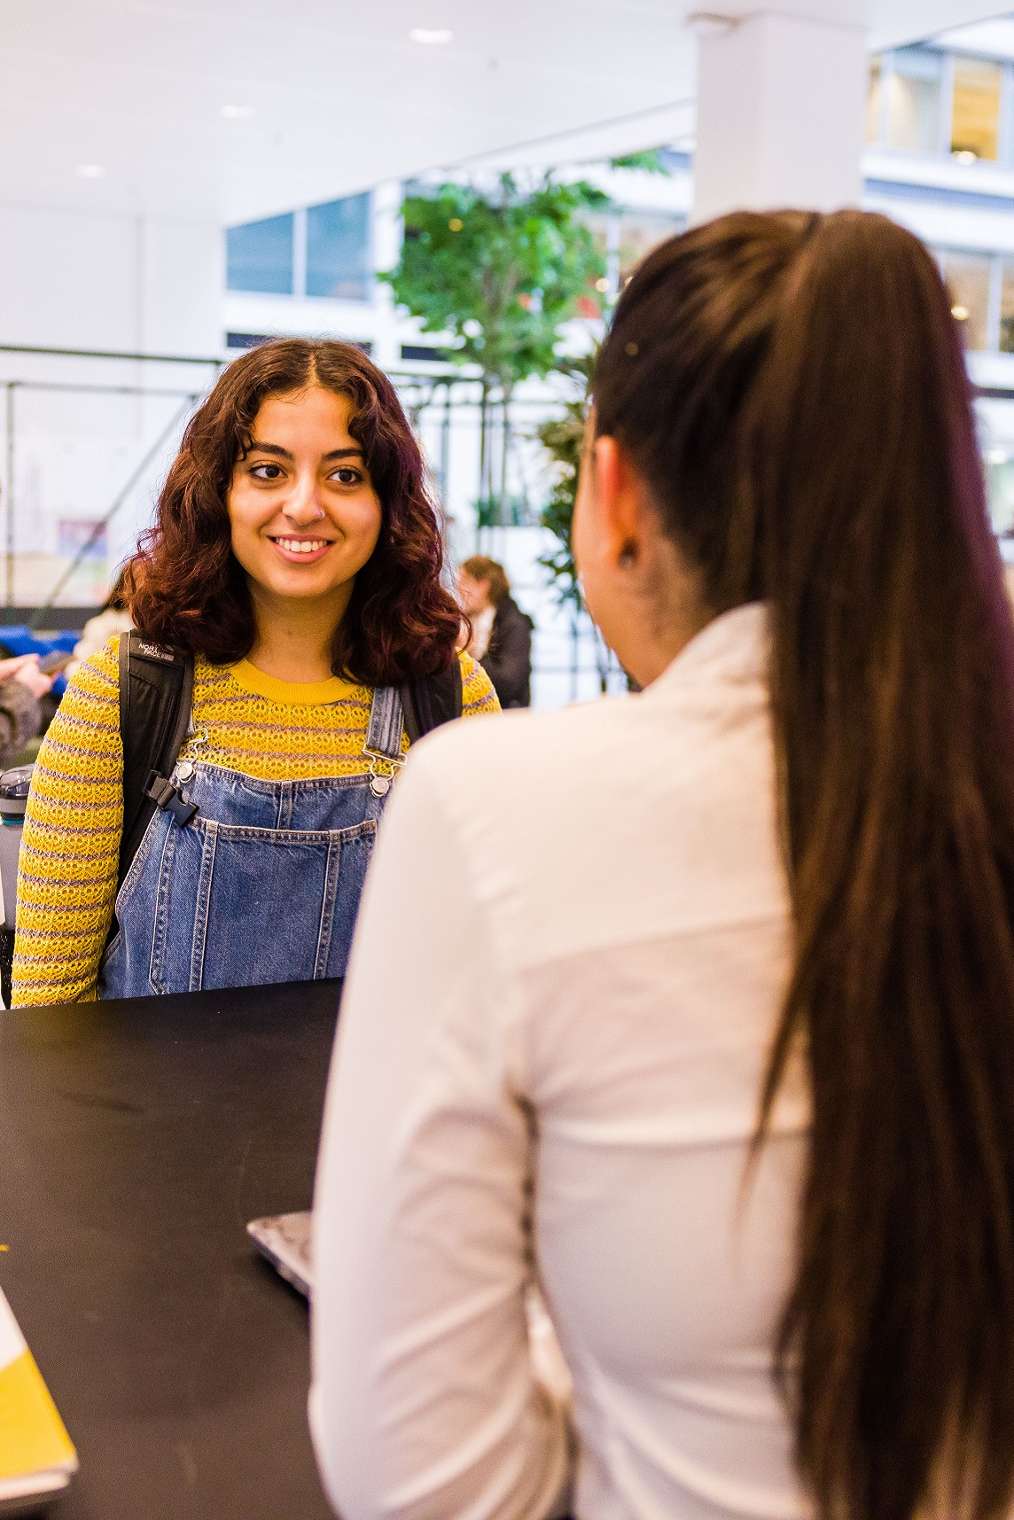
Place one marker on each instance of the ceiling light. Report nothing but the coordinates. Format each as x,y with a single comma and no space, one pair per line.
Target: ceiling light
432,36
90,171
602,285
965,156
236,113
960,313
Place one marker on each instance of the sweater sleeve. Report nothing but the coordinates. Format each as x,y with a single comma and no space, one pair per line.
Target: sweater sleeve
477,694
67,867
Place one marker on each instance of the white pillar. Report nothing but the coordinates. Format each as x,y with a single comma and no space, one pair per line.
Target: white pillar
780,114
386,252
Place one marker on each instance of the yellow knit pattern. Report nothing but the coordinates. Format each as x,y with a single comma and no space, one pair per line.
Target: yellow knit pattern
69,857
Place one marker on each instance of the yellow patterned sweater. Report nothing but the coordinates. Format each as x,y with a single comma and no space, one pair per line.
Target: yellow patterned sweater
243,721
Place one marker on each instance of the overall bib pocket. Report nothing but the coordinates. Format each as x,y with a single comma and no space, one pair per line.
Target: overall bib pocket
240,906
261,884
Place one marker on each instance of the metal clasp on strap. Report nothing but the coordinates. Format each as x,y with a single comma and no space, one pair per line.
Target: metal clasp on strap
382,746
383,770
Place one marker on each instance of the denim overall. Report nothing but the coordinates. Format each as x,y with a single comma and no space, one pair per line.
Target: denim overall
262,885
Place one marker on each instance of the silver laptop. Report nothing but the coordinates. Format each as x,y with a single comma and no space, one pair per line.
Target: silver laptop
285,1240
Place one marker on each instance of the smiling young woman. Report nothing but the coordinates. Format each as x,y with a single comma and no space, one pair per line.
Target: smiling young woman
305,520
296,559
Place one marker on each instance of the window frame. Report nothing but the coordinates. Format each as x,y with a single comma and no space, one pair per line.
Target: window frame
300,225
994,286
942,127
945,121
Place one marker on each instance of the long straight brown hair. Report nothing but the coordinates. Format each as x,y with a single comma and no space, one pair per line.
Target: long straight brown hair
793,389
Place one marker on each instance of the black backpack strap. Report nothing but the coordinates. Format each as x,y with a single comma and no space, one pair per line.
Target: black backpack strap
156,690
430,701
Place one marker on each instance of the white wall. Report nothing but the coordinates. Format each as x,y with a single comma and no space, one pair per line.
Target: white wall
71,280
83,427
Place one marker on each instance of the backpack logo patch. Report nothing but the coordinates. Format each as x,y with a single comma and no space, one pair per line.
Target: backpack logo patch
149,651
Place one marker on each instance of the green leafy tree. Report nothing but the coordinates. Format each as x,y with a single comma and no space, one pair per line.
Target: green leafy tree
562,438
498,269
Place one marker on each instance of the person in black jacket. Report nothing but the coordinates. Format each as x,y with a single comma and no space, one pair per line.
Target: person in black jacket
501,633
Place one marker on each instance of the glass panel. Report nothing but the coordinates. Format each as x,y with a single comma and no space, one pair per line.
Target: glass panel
874,100
599,224
914,101
1007,308
640,232
967,275
975,116
1000,488
338,249
258,256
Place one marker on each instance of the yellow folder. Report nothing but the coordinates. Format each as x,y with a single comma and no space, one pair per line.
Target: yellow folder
36,1454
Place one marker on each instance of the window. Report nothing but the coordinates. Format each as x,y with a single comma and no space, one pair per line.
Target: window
268,255
975,111
338,249
259,256
603,228
600,225
1000,491
875,101
967,275
245,339
640,232
914,101
1007,307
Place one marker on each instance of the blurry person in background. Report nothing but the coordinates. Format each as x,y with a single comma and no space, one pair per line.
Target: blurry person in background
501,633
112,618
22,688
702,1011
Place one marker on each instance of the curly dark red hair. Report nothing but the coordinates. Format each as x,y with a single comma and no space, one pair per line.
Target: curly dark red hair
184,587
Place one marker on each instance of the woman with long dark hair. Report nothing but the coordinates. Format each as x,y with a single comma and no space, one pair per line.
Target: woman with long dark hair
295,564
728,1066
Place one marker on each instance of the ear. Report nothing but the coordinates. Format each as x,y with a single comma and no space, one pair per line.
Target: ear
622,508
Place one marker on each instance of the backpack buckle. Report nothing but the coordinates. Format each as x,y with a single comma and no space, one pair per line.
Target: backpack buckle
165,796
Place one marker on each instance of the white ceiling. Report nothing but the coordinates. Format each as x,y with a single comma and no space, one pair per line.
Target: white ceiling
340,97
993,38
